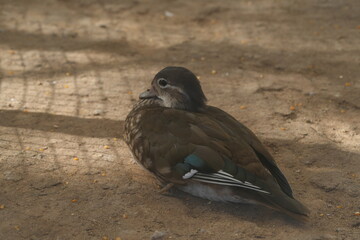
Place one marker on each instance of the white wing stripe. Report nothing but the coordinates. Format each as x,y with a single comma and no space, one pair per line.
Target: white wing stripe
225,173
208,180
214,179
190,174
225,181
236,180
232,179
221,178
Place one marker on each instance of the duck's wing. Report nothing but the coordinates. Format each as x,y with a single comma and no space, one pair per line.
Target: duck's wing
186,146
242,133
169,136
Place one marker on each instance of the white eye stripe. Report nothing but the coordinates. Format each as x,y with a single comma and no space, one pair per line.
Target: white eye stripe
179,89
163,83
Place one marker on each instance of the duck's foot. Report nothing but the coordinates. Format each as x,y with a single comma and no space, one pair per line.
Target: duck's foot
166,188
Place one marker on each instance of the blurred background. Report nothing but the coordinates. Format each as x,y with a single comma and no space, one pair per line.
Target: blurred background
70,72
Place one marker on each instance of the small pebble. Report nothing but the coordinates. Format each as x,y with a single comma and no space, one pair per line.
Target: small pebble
12,176
158,235
98,112
310,93
168,14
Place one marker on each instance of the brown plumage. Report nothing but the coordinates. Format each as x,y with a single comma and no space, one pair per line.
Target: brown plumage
201,149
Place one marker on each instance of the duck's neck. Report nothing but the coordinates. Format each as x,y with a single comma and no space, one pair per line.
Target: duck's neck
154,102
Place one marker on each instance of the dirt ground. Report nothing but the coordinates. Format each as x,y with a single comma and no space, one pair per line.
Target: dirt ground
70,72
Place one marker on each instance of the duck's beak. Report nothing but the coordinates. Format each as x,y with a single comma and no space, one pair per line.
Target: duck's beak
150,93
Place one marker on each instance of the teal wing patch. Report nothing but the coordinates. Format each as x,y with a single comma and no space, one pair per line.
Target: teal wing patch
195,162
195,168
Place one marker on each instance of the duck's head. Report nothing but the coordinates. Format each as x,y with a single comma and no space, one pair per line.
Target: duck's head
176,87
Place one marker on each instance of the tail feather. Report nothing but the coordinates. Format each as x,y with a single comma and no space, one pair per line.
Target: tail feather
276,199
287,203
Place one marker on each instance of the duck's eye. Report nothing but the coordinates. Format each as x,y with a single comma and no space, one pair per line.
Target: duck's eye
162,82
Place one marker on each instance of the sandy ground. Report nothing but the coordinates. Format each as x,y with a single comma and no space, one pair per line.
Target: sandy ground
70,72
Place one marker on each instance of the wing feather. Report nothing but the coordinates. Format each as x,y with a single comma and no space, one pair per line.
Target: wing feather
222,178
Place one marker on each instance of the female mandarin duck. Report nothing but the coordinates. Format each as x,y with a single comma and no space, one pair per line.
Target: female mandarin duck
201,149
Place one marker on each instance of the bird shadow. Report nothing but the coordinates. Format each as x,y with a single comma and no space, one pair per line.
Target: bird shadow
246,212
87,127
